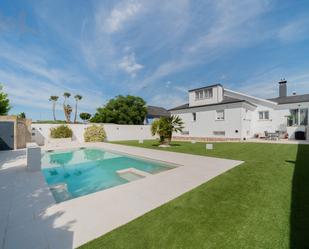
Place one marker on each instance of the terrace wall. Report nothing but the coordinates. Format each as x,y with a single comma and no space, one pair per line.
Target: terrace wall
114,132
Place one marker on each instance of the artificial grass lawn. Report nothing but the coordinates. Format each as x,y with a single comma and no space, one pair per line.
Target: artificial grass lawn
263,203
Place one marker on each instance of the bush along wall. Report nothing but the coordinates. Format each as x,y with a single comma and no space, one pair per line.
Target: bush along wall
61,131
94,133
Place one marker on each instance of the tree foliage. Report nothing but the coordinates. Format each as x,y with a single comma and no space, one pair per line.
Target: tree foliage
4,103
22,115
122,110
165,126
85,116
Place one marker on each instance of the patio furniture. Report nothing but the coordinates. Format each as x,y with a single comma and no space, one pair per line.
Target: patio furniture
272,135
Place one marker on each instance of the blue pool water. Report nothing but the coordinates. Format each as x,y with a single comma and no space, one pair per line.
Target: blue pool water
75,173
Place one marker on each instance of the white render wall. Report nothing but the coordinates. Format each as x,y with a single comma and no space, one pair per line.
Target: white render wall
114,132
206,122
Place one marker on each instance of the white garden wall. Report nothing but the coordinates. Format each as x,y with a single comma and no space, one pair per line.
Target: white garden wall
114,132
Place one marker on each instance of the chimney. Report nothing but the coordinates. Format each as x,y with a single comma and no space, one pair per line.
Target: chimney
282,88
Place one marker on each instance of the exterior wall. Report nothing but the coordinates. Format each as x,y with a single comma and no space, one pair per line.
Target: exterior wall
217,96
41,132
22,134
206,123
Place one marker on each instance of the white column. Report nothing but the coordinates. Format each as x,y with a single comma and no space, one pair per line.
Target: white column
33,157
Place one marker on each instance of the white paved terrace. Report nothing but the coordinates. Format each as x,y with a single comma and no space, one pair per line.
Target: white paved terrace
29,217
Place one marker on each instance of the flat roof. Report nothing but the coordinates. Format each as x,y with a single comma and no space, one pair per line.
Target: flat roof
200,88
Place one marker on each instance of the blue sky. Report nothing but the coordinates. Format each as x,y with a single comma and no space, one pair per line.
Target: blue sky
156,50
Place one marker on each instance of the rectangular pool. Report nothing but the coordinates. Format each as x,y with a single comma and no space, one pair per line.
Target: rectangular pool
79,172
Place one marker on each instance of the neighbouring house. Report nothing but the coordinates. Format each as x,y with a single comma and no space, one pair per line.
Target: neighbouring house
155,112
217,113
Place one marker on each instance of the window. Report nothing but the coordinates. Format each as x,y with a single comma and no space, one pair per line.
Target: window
203,94
220,115
185,133
264,115
194,116
219,133
294,117
208,93
298,117
199,94
303,116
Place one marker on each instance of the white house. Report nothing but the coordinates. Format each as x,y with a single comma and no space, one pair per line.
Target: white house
217,113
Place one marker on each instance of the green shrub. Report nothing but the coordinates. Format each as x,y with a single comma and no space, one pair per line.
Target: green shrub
61,131
94,133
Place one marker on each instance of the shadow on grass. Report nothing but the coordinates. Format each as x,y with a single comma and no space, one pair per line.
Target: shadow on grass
299,237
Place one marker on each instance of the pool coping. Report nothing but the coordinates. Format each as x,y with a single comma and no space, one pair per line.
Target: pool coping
74,222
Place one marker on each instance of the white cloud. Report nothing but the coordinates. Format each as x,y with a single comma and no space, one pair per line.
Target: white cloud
265,85
167,100
294,31
30,80
120,15
235,24
129,65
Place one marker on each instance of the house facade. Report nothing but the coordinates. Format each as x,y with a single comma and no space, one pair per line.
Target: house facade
216,113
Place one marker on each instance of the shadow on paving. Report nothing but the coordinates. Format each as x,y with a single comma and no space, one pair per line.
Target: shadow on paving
299,237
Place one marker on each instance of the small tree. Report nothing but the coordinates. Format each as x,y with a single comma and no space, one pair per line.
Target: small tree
4,103
22,115
164,127
122,110
54,99
77,98
85,116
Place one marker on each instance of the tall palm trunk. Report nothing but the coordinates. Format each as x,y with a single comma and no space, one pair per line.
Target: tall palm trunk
65,111
75,115
54,107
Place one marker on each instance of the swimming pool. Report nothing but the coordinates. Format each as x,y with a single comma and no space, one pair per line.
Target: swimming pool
79,172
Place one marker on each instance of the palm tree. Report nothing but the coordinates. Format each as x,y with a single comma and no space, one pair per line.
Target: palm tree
165,126
66,95
77,98
68,110
54,99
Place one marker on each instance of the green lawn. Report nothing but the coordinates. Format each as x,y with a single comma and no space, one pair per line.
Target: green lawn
263,203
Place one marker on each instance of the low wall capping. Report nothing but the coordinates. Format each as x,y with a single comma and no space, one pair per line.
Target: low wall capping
204,139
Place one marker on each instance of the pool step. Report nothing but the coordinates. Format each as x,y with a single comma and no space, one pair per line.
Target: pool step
132,174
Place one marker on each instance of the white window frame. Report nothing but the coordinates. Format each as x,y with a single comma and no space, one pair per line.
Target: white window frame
298,117
199,94
208,93
264,115
217,116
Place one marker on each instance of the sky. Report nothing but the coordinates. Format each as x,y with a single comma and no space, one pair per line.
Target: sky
153,49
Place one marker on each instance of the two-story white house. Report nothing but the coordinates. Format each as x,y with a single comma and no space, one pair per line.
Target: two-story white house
217,113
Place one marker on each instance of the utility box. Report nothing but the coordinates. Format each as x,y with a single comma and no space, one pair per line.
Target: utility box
209,146
33,157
